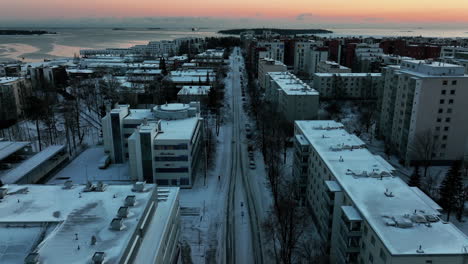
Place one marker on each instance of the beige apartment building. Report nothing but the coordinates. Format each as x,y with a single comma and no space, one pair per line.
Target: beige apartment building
362,210
425,99
266,65
347,85
291,96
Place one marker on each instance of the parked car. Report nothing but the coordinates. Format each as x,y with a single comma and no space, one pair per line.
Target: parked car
252,165
104,162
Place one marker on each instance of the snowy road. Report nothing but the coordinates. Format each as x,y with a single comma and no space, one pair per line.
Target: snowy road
242,227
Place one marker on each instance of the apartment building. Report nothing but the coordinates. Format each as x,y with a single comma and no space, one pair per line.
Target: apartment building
93,223
425,99
347,85
450,51
162,144
291,96
13,93
302,50
194,93
365,213
331,67
274,49
266,65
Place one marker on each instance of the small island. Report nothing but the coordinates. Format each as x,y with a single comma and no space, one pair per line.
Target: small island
259,31
24,32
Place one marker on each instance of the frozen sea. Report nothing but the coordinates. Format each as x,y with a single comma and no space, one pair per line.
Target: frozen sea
69,41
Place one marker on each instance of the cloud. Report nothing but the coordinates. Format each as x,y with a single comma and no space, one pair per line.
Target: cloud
304,16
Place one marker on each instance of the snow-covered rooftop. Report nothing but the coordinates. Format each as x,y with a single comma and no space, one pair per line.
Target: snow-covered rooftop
348,74
59,223
180,129
367,181
290,84
16,174
7,148
139,114
6,80
194,90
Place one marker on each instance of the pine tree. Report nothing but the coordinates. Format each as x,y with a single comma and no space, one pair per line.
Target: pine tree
449,190
162,66
415,179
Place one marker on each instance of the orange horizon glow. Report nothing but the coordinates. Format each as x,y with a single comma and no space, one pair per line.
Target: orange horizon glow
327,10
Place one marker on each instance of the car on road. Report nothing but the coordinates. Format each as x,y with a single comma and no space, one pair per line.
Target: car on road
104,162
251,154
247,127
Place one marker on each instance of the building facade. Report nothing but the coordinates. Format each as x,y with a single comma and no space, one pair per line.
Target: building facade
331,67
291,97
347,85
267,65
364,213
425,99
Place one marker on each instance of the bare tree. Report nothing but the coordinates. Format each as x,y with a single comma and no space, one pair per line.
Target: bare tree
421,148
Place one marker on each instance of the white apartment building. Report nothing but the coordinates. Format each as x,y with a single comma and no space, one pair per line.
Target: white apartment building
365,213
291,96
302,52
366,55
450,51
266,65
331,67
195,93
460,58
347,85
421,97
162,144
316,56
275,49
93,223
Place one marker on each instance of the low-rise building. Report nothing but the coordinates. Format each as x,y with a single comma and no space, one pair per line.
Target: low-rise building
331,67
347,85
162,144
93,223
425,99
266,65
364,212
292,97
195,93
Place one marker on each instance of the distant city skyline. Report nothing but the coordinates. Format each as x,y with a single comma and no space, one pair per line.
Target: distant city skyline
242,12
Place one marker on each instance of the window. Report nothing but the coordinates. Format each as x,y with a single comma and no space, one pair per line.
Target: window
365,230
162,182
442,101
452,91
450,101
363,245
172,170
439,120
441,110
446,128
443,92
428,261
437,128
383,256
454,82
447,119
444,82
436,137
372,240
444,137
449,110
443,146
371,258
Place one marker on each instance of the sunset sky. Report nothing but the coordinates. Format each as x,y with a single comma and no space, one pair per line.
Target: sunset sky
296,11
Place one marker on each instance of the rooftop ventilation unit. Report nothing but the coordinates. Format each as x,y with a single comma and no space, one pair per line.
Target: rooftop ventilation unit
68,184
388,193
122,212
116,224
130,200
32,258
100,187
89,187
3,192
98,257
139,187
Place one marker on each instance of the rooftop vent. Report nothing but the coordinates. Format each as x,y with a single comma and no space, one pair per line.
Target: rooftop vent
98,257
130,200
32,258
139,187
68,184
100,186
89,187
3,192
420,250
388,193
116,224
122,212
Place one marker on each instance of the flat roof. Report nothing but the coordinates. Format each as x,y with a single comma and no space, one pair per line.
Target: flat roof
8,148
86,214
6,80
347,74
16,174
366,180
290,84
179,129
194,90
139,114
